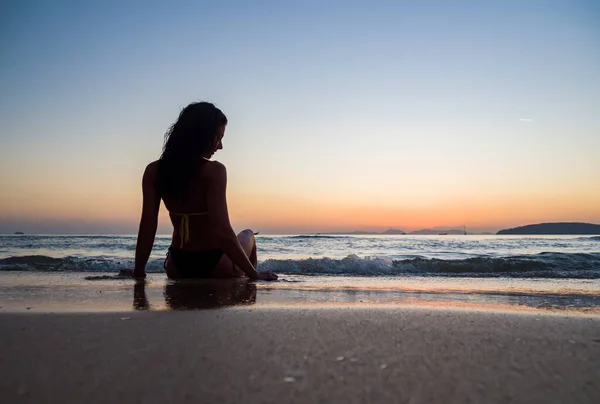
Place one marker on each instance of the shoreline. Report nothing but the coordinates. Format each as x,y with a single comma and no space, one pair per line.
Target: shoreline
74,292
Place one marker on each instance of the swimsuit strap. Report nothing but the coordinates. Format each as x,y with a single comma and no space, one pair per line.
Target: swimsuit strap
184,226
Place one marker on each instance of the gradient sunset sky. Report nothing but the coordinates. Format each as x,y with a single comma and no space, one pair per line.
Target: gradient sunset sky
343,115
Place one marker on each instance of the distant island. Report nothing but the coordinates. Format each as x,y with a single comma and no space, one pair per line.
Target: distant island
564,228
554,228
360,232
19,232
440,231
393,231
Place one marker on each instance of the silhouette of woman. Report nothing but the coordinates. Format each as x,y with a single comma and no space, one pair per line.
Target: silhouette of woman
193,189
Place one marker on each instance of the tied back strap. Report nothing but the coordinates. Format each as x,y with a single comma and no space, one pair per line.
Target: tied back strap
184,226
184,229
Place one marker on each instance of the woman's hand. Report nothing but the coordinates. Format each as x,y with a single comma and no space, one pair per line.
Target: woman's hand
267,276
130,273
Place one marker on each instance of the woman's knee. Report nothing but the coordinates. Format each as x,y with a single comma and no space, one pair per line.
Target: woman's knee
246,236
247,240
247,232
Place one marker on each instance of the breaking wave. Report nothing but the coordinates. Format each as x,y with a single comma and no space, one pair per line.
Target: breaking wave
44,263
544,265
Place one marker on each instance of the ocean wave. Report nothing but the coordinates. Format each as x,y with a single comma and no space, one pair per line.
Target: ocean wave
545,265
45,263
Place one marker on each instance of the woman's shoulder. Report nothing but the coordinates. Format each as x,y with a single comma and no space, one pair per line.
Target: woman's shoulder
152,169
214,169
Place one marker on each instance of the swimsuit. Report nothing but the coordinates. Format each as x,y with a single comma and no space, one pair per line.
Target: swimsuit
192,263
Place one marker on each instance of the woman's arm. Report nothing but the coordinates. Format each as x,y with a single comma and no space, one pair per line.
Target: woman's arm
148,221
219,216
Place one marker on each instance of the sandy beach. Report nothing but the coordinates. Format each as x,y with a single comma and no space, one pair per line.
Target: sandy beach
274,355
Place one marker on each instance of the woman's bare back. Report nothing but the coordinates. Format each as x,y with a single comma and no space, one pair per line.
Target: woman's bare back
194,208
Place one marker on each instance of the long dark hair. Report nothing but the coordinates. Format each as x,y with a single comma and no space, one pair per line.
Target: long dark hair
187,141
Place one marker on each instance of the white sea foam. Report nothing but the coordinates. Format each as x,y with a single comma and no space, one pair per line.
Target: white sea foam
547,256
549,265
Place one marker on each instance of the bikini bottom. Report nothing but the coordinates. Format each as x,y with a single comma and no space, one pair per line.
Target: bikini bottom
194,263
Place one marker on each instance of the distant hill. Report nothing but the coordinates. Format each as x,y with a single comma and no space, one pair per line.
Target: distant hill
437,231
554,228
361,232
393,231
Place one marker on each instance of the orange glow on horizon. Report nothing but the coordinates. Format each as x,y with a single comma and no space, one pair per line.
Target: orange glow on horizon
290,214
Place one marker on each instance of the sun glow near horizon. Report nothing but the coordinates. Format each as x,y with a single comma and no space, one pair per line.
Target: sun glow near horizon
285,214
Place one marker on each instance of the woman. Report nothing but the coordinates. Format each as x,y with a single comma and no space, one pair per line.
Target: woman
193,189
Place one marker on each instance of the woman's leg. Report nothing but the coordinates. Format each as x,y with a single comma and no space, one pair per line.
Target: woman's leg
225,267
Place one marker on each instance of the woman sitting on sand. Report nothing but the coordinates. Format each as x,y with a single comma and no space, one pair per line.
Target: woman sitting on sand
193,189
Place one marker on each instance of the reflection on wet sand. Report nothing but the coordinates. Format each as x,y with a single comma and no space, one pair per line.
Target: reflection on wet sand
211,294
140,300
199,294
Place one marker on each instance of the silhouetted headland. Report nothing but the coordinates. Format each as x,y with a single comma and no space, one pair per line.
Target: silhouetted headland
554,228
434,231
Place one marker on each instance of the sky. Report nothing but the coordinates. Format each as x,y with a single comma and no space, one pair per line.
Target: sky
343,115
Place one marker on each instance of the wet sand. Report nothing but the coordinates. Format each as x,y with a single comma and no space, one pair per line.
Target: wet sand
299,354
83,292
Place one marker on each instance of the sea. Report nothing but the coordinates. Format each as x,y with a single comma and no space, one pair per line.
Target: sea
552,273
576,257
